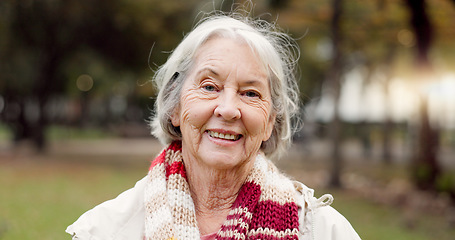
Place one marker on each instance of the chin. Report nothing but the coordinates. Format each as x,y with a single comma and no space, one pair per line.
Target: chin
224,161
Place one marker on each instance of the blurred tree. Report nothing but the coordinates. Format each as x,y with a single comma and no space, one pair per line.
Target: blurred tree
43,40
426,167
334,81
373,47
278,4
423,29
378,40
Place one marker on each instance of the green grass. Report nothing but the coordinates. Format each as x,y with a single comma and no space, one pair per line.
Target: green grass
40,197
375,221
56,132
5,132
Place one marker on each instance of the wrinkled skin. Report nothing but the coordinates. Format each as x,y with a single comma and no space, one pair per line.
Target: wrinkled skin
227,91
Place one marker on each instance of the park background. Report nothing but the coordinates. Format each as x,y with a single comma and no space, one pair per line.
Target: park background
377,80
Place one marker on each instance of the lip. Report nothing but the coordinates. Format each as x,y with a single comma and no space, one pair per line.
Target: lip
223,131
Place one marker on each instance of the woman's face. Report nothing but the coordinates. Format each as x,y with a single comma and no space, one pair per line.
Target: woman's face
225,109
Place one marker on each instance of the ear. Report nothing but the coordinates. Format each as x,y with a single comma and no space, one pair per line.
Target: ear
269,127
175,117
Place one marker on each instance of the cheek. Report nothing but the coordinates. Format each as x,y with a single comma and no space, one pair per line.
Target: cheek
194,110
257,119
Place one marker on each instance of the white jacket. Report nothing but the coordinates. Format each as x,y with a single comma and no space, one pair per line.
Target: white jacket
122,218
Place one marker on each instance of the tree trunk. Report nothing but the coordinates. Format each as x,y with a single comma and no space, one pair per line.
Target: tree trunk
39,131
46,84
425,165
423,30
334,77
21,126
387,126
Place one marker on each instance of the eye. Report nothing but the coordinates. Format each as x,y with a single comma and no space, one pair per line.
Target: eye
210,87
251,94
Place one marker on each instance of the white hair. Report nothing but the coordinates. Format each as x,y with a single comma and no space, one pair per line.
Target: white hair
277,52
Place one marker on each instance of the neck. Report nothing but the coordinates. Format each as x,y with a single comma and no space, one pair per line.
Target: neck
214,191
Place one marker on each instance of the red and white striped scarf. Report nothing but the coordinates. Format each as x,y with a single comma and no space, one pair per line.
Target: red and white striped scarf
265,207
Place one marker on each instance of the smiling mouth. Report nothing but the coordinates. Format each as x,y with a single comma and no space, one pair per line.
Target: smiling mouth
230,137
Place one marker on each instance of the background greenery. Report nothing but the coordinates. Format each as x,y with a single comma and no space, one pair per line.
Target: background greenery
75,96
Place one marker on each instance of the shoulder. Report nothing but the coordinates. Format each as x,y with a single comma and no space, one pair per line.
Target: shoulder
330,224
320,221
119,218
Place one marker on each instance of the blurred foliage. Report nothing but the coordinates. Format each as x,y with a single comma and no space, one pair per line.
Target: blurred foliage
88,63
45,46
446,183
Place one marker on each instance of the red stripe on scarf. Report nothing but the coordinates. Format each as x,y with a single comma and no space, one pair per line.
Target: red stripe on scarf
248,196
175,168
271,237
266,215
175,146
158,160
272,215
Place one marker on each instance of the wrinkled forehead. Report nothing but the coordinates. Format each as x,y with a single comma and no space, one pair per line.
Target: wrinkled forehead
225,56
240,39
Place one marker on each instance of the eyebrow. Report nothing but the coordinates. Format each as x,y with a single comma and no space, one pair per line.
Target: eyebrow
257,83
207,69
253,82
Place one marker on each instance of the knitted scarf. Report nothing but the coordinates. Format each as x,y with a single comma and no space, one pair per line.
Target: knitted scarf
265,207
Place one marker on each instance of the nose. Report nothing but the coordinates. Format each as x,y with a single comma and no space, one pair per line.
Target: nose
228,106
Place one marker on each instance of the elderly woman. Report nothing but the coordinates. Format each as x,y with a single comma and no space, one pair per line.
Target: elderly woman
226,98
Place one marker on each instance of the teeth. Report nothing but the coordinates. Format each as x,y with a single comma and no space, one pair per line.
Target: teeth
223,136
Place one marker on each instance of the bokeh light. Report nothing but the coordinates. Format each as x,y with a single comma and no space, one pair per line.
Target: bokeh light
84,82
406,38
